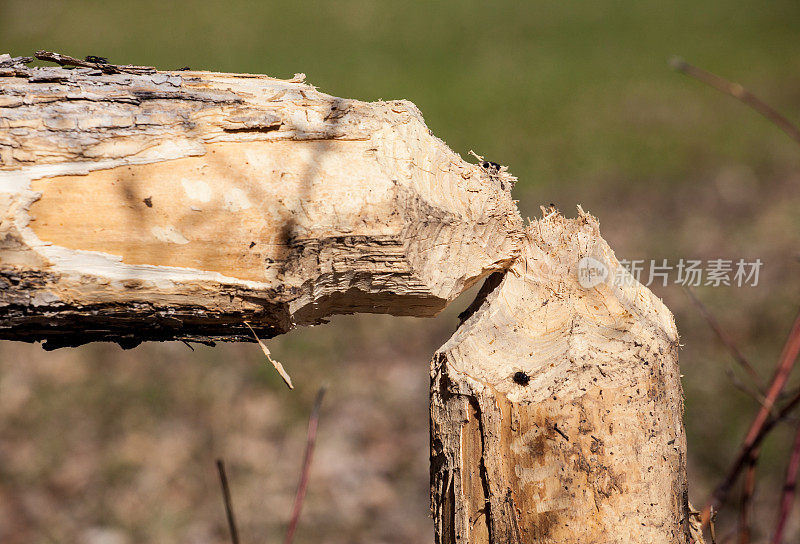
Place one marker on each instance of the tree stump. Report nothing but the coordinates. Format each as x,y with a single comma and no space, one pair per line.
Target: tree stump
556,408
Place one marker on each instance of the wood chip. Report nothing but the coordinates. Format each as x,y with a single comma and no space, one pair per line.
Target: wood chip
276,364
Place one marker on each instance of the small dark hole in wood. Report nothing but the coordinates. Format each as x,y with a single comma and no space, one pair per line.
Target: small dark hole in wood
521,378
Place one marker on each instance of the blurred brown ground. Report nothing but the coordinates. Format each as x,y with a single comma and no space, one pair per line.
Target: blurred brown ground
104,446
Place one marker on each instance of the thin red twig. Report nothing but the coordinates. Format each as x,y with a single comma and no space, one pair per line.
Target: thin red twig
748,489
789,489
311,438
762,422
768,426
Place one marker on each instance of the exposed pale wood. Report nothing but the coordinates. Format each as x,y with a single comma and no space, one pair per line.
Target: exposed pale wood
592,448
176,205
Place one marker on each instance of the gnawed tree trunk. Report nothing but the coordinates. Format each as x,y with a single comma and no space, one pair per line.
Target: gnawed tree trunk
556,408
178,205
140,205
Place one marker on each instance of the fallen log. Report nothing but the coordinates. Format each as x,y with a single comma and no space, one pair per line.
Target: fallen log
143,205
177,205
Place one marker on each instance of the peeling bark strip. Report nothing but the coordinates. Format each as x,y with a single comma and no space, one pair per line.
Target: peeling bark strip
177,205
589,446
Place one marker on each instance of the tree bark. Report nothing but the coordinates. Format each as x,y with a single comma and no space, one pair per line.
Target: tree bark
177,205
141,205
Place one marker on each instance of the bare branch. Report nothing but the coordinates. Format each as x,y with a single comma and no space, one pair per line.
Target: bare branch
738,92
311,439
726,340
763,421
789,489
226,495
748,488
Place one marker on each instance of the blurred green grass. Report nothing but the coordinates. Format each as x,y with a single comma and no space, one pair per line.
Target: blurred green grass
577,98
563,91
